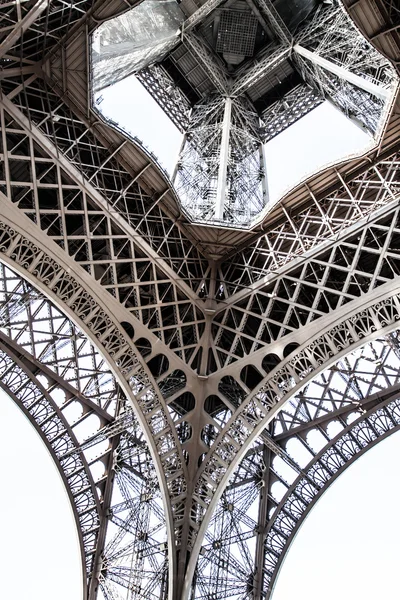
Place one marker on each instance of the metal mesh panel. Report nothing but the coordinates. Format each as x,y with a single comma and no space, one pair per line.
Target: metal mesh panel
237,33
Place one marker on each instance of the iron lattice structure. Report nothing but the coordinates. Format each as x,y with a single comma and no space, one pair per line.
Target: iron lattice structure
198,387
239,72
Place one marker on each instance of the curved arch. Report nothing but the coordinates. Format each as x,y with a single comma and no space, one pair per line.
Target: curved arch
53,277
60,380
37,404
360,436
380,314
335,419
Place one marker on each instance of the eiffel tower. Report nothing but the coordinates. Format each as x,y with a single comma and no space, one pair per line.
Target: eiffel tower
200,362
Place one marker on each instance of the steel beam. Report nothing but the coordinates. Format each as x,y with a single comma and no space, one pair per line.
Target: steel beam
342,72
223,160
209,62
200,14
23,25
259,68
275,20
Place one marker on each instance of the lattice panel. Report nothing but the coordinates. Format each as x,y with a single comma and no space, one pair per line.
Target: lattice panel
356,265
109,176
352,199
335,418
43,25
68,391
286,111
98,203
48,195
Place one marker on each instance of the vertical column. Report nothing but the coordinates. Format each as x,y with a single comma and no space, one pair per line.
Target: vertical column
223,161
264,177
220,175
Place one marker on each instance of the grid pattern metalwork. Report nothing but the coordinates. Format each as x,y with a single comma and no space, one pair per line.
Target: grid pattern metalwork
237,33
209,153
172,369
57,377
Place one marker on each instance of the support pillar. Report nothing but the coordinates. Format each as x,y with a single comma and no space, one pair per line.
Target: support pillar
220,173
223,161
264,176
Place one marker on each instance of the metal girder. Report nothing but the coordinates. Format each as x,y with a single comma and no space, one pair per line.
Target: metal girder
87,185
346,267
343,73
275,20
274,56
253,394
23,24
325,216
336,64
138,384
127,192
287,110
30,31
112,264
200,14
223,160
209,62
27,391
169,97
221,173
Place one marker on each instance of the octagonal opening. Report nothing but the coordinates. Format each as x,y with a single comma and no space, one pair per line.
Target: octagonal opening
240,103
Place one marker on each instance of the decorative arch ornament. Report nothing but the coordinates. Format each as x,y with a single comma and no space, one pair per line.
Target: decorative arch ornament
36,265
264,403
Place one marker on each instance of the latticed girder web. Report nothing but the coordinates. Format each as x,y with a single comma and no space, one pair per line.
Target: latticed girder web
200,162
324,281
69,212
55,374
42,23
334,419
350,201
109,223
58,378
220,175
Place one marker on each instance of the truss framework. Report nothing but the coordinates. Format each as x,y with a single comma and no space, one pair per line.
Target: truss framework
221,171
331,422
211,177
207,354
58,378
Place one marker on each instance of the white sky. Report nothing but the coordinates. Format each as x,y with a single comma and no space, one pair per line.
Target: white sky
321,137
353,531
348,547
39,556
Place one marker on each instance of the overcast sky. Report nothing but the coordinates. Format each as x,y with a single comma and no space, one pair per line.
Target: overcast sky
352,532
